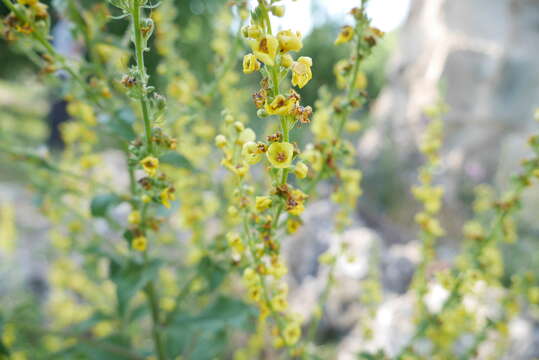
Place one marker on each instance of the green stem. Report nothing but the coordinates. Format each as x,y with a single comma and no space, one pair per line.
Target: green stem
323,300
50,49
140,64
154,307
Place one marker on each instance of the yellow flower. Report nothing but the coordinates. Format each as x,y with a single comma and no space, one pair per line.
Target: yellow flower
295,203
301,170
262,203
139,243
281,105
252,31
289,41
150,165
346,34
265,49
250,276
167,195
254,293
279,303
301,71
287,61
292,333
292,225
234,241
280,154
251,153
134,217
250,64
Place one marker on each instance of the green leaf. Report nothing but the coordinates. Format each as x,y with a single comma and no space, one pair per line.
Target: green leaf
130,279
4,351
101,204
204,336
175,159
212,272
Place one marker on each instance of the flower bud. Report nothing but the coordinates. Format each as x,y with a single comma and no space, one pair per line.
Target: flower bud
220,141
146,28
277,10
238,125
301,170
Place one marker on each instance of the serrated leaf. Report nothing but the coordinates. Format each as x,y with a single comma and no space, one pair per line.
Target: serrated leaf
175,159
130,279
101,204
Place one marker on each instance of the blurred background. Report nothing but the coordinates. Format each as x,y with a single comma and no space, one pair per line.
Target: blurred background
480,56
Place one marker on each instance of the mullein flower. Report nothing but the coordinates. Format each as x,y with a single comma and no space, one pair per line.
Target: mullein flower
251,152
140,243
281,105
279,303
134,217
265,48
280,154
289,41
346,34
295,202
166,196
292,333
262,203
150,165
301,71
234,241
250,64
251,31
292,225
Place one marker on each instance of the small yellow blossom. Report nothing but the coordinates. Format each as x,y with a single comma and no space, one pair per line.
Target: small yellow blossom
140,243
251,31
146,199
134,217
301,170
292,333
279,303
295,204
250,64
265,49
281,105
250,152
150,165
250,276
346,34
262,203
292,225
280,154
254,293
234,241
289,41
166,196
301,71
